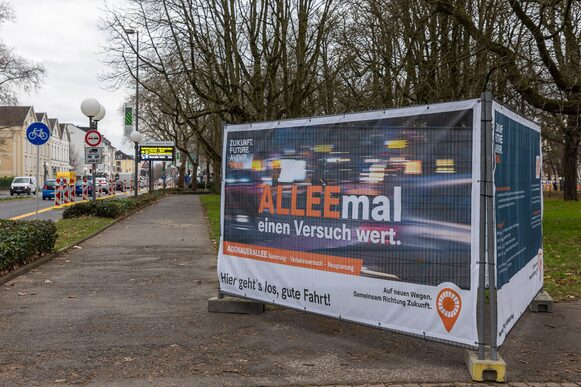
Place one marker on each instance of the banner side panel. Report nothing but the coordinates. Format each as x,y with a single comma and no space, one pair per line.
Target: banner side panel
518,215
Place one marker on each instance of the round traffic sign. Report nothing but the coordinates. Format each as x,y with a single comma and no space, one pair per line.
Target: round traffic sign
37,133
93,138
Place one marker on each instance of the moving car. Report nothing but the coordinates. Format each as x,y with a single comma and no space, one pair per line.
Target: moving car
23,184
48,189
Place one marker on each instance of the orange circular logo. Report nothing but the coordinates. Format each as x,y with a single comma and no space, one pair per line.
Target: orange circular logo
448,305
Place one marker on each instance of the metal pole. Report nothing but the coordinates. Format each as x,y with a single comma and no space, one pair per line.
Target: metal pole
482,254
37,177
491,237
137,86
136,175
137,116
163,175
94,168
150,176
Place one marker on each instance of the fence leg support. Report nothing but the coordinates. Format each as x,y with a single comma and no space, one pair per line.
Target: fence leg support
542,303
227,304
486,370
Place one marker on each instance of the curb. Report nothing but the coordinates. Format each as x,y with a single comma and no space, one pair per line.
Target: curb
215,241
29,266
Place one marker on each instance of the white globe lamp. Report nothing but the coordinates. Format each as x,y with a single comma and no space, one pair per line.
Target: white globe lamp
101,113
136,136
90,107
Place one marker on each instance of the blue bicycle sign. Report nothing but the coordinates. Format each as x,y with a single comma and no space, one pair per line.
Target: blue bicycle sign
37,133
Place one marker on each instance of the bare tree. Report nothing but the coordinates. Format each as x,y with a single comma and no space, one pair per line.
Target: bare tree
16,73
543,65
206,62
241,60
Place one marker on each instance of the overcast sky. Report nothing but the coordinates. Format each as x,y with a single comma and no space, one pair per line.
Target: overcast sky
64,36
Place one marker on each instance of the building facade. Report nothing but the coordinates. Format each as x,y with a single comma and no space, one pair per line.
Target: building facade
14,148
64,151
105,169
59,145
124,163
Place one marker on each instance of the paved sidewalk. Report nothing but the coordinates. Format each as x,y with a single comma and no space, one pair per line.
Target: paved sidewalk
129,309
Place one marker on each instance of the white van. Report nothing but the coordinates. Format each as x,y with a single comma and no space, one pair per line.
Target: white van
23,184
122,179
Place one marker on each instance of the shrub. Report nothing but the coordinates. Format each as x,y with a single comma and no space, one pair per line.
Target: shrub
6,181
110,208
209,186
21,240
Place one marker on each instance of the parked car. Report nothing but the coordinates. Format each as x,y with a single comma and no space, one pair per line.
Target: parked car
79,187
102,185
48,189
23,184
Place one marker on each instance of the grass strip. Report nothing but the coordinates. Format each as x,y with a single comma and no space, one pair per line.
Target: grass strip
70,231
561,243
212,205
562,248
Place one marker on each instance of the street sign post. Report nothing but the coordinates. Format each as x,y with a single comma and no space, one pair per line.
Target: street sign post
93,138
93,155
93,152
37,134
157,151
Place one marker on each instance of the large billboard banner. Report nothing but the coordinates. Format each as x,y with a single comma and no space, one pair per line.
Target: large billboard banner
369,217
518,215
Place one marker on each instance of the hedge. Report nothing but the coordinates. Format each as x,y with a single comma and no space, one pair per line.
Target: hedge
21,240
6,181
110,208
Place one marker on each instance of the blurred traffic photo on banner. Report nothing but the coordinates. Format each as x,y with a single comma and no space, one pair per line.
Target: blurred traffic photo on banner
369,217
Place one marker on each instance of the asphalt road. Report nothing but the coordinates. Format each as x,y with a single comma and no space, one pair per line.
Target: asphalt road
130,309
25,208
14,208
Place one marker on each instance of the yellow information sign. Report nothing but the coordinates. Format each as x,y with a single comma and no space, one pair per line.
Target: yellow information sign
156,152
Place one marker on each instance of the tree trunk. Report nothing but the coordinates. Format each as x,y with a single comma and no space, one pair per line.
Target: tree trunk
182,170
572,140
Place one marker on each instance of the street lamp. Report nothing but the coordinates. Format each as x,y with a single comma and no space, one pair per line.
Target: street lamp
136,137
95,111
99,116
131,31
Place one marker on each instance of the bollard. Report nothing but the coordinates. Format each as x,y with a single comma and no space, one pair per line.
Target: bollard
57,193
72,192
85,190
65,192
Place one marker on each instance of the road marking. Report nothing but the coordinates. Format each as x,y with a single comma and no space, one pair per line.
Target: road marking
31,213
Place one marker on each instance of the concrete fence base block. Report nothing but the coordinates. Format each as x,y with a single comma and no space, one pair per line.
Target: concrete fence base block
234,305
486,370
542,303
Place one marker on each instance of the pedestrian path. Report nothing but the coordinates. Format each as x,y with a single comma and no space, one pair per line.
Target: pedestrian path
129,308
